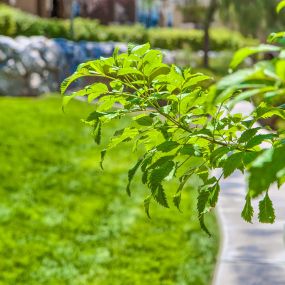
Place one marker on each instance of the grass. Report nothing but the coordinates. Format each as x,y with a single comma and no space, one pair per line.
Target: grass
64,221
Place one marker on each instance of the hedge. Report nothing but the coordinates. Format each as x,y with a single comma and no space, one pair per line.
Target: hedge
14,22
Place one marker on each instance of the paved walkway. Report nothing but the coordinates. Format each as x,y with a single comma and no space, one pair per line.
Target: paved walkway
251,254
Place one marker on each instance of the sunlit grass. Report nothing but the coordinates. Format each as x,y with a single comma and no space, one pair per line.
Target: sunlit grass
64,221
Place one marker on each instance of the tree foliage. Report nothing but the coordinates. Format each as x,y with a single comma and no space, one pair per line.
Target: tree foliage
242,13
182,130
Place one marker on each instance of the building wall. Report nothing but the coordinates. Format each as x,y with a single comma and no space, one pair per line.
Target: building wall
28,6
107,11
42,7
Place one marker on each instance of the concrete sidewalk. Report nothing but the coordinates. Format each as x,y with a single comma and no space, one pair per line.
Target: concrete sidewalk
251,254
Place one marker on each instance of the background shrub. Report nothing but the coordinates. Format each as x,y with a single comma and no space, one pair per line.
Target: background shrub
14,22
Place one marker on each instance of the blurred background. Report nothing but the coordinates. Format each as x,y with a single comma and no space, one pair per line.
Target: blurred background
62,219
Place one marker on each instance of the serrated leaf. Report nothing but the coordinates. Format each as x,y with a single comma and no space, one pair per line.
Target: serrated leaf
103,154
259,139
127,135
187,149
265,168
158,174
247,212
266,210
132,173
94,116
160,196
147,204
145,177
218,153
203,199
248,134
214,194
161,161
177,200
144,120
167,146
97,132
249,157
232,163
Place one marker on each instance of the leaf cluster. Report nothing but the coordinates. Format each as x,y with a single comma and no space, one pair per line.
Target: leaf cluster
181,130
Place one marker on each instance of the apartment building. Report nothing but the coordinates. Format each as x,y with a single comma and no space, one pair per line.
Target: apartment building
106,11
149,13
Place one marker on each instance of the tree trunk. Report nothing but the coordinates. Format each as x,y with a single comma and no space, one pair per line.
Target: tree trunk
207,24
57,9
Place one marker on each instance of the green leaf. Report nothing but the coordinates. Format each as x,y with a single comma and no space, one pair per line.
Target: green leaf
246,52
97,132
141,49
177,196
130,47
82,72
230,84
153,56
147,204
248,135
259,139
116,85
129,71
132,173
232,163
167,146
96,90
160,197
202,201
128,134
177,200
195,79
66,99
144,120
158,174
161,161
244,95
188,149
275,37
162,70
103,154
265,168
280,6
173,129
214,194
266,210
247,212
218,153
94,116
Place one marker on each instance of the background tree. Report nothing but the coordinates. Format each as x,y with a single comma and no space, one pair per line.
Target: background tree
242,15
209,18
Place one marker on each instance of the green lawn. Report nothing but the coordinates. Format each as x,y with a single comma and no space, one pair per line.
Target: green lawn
64,221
